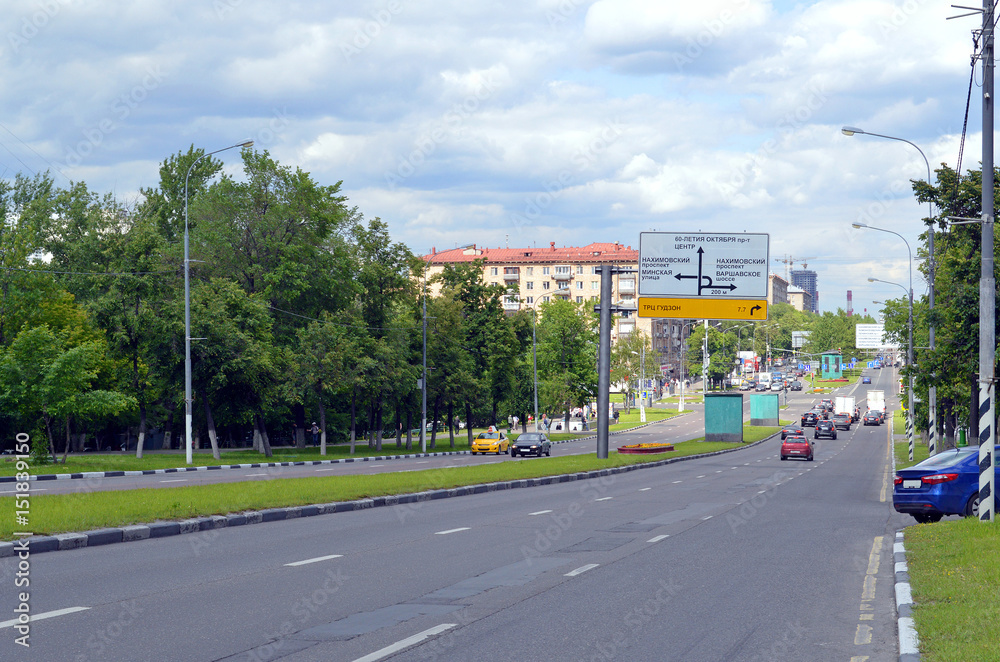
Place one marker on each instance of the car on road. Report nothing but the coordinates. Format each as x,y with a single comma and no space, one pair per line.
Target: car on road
857,414
842,421
792,431
827,404
809,419
866,380
531,443
747,385
760,387
490,441
797,447
796,385
825,428
777,385
871,417
946,484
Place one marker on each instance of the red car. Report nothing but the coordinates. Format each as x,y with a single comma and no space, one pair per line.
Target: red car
796,447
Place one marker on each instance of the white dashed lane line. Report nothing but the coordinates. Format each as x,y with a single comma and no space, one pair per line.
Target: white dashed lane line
314,560
658,538
540,512
444,533
582,569
44,615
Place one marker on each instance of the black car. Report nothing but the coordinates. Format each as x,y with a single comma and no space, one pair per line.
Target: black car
872,417
531,443
825,429
842,421
796,386
792,431
809,419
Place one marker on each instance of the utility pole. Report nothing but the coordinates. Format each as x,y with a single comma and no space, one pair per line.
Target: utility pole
604,364
704,363
423,384
987,287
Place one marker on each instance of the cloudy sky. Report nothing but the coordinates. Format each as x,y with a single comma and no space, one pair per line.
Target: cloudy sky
525,121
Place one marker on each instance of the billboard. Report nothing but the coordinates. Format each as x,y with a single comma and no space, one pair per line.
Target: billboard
871,336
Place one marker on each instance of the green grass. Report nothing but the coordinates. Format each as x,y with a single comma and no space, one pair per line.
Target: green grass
901,448
955,582
90,510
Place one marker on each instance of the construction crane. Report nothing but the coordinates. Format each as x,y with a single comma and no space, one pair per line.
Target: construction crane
788,260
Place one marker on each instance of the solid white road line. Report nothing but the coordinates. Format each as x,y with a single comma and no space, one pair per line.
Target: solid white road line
405,643
444,533
44,615
33,489
250,475
175,480
582,569
328,469
315,560
539,512
658,538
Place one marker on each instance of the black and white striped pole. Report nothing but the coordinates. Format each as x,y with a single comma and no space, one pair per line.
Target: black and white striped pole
987,286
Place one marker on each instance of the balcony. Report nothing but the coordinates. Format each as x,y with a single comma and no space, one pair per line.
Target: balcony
626,286
511,274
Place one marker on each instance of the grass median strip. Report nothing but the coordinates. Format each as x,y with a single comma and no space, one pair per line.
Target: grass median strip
955,582
61,513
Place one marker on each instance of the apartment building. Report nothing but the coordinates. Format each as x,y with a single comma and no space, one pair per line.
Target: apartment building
537,275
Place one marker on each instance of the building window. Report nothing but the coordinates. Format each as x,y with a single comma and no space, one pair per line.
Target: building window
530,285
595,285
595,270
579,284
593,298
545,284
579,299
545,271
529,299
562,271
579,269
493,271
531,271
545,299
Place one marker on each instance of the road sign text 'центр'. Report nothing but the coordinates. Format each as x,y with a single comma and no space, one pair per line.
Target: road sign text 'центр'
703,264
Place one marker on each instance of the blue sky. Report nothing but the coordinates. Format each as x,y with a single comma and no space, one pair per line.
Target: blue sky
520,122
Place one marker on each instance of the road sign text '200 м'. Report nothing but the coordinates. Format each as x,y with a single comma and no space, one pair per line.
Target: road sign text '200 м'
702,309
702,264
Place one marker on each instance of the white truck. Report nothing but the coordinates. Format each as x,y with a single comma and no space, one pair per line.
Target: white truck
765,379
844,404
876,402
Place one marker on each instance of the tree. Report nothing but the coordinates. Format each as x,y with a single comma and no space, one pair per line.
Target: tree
567,355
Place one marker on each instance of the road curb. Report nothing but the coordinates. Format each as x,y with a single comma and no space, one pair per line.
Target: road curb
106,536
909,642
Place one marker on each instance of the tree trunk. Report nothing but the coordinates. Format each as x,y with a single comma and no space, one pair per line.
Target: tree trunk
493,416
371,424
354,400
409,429
399,425
264,441
451,424
168,431
322,428
48,430
257,443
434,427
468,421
142,431
378,423
213,437
66,450
299,411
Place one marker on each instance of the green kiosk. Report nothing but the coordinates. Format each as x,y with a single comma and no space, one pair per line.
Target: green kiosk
830,363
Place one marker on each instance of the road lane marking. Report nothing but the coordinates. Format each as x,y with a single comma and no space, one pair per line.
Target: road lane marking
175,480
643,489
702,476
658,538
444,533
582,569
44,615
705,518
603,498
249,475
539,512
315,560
33,489
863,636
405,643
678,481
328,469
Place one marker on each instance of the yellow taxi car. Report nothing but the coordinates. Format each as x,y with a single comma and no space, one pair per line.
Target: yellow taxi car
490,441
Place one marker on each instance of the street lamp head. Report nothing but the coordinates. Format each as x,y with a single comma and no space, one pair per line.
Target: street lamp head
873,280
248,143
851,130
859,225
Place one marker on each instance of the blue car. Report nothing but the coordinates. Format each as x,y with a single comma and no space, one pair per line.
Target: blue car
868,380
946,484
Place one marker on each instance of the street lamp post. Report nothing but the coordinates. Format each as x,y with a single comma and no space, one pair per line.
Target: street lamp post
534,349
187,304
932,389
909,359
680,400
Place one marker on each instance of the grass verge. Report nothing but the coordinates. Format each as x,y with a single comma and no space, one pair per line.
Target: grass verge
91,510
955,583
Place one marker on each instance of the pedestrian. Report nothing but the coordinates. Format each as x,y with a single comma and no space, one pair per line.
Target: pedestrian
616,417
315,431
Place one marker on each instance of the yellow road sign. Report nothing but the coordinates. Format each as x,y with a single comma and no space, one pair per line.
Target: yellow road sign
704,309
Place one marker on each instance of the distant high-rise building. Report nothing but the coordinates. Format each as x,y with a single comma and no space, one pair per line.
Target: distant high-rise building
806,279
850,304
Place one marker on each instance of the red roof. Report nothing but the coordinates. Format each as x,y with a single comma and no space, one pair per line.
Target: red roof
596,252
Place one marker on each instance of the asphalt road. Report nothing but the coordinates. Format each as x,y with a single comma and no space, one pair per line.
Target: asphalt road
736,557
